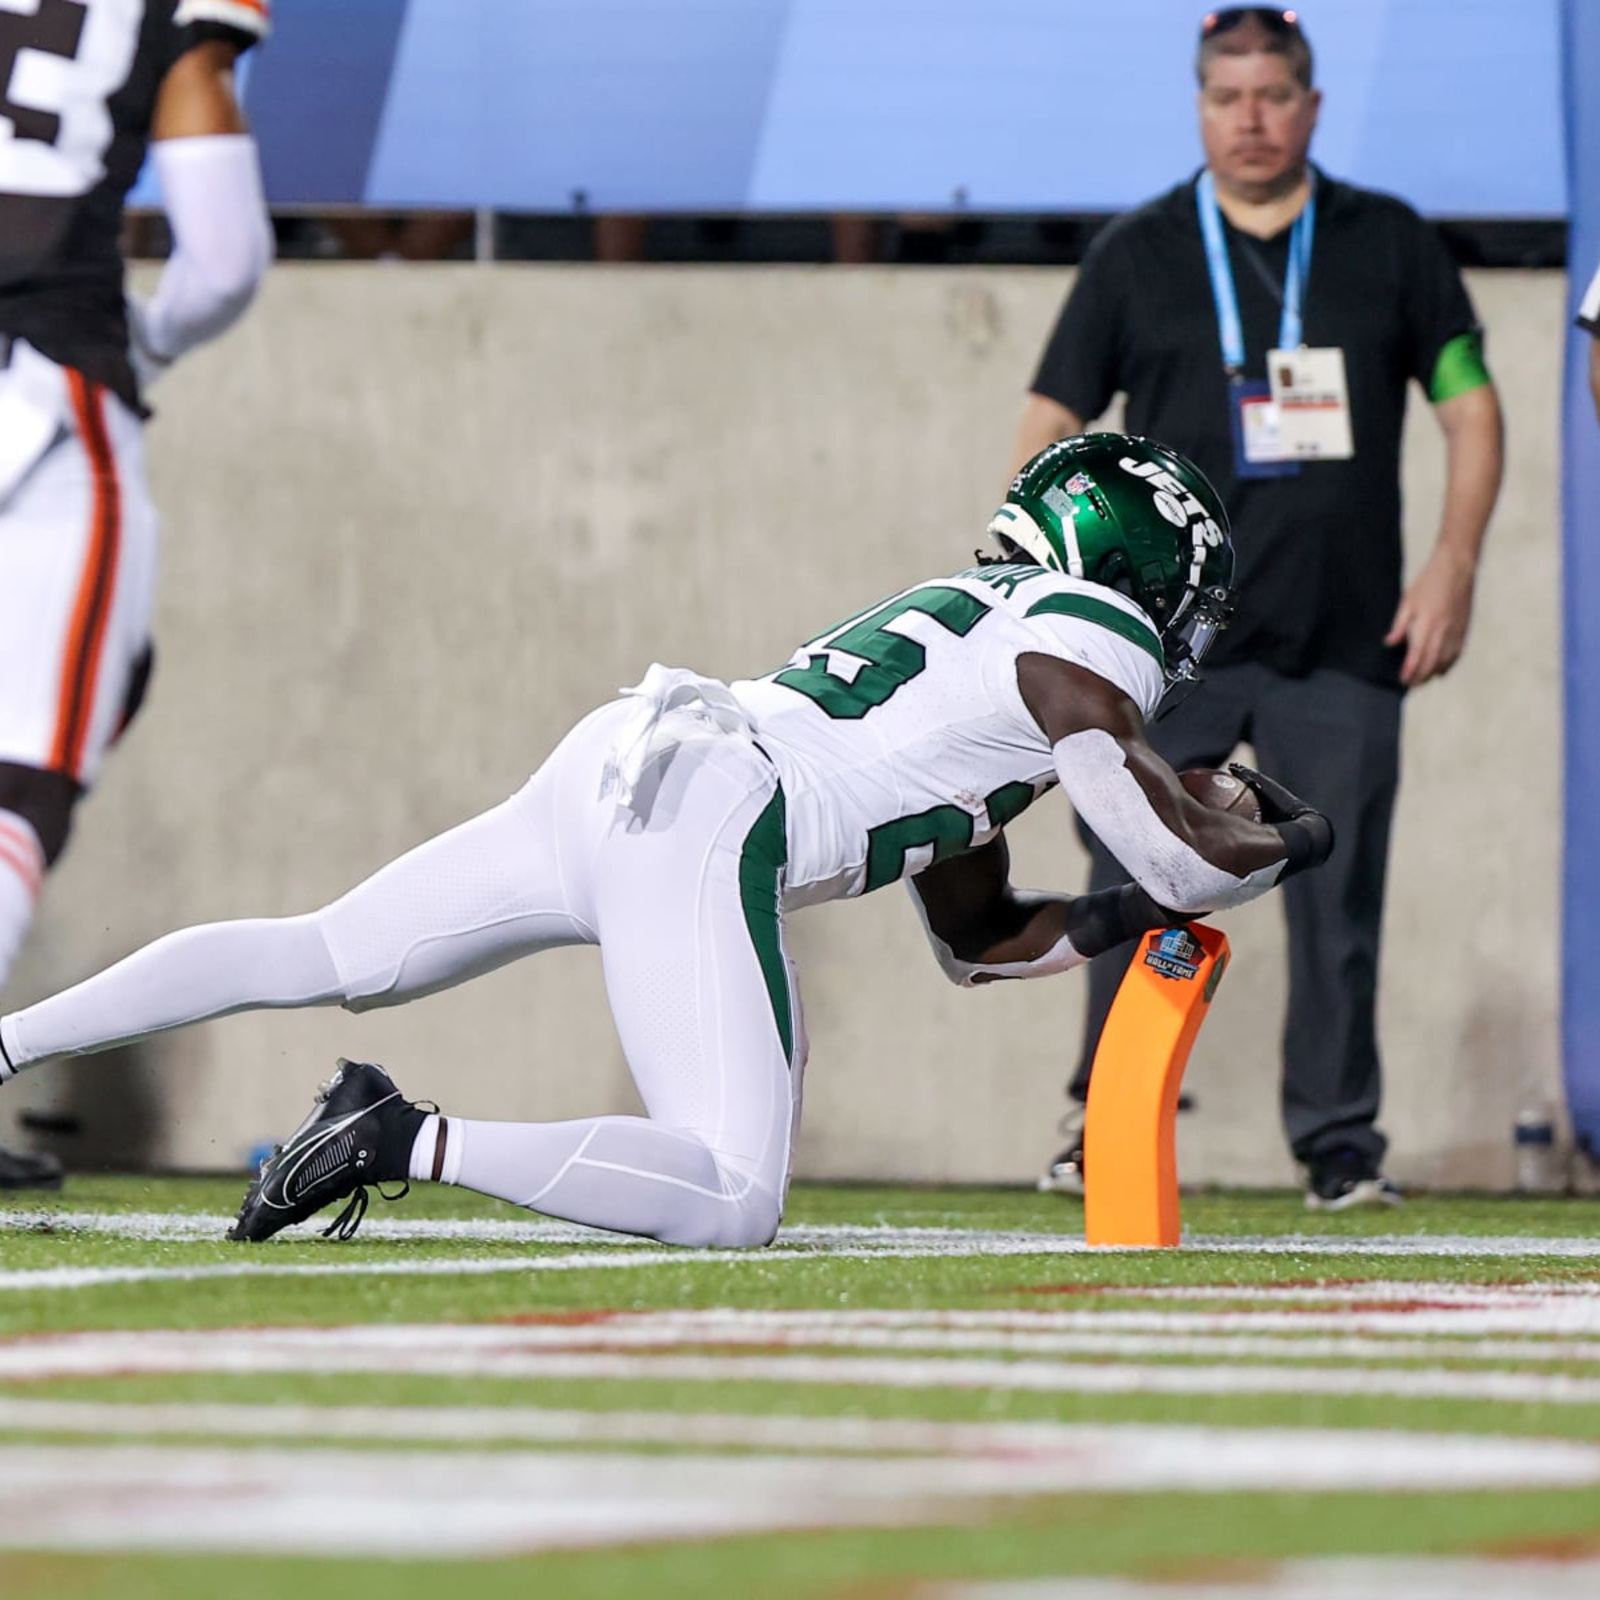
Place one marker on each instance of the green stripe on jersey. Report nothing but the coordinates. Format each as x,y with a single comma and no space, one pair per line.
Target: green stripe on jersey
761,864
1105,615
1460,367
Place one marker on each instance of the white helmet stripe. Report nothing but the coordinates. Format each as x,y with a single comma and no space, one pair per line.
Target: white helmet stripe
1024,532
1069,537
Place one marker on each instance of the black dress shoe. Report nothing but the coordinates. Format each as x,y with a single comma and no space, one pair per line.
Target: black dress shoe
29,1170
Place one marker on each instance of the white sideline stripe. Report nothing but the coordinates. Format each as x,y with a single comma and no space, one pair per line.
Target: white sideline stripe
1365,1289
1555,1318
1243,1347
1544,1314
479,1424
705,1430
1415,1577
1550,1301
407,1504
152,1226
506,1353
1180,1335
1540,1319
1554,1299
829,1238
53,1278
631,1255
1228,1347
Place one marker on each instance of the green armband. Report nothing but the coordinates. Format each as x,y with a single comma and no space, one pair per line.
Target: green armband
1460,367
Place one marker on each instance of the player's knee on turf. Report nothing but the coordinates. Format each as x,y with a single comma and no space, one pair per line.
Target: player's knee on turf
756,1221
745,1223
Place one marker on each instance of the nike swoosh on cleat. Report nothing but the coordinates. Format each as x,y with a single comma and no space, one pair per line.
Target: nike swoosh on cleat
311,1147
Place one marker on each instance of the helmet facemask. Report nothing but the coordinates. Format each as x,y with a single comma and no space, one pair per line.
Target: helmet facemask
1205,606
1202,614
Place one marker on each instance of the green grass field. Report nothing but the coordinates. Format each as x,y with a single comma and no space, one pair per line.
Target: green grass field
915,1393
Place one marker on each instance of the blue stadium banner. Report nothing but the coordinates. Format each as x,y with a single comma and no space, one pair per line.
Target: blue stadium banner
1580,1030
316,95
873,105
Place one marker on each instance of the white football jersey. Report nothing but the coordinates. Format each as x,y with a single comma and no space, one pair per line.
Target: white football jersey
900,736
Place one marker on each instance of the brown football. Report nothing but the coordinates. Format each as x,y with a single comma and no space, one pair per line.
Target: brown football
1221,791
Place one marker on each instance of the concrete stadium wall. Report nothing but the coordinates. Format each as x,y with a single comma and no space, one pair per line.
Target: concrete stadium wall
419,520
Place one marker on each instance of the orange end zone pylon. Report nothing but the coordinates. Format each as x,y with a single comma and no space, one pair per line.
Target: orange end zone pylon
1130,1164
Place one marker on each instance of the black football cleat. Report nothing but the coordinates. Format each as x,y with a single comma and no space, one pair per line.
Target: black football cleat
360,1131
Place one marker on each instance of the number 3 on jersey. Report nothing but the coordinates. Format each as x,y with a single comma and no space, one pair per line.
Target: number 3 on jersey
60,62
891,659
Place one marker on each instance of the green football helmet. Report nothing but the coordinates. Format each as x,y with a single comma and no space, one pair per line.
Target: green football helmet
1137,517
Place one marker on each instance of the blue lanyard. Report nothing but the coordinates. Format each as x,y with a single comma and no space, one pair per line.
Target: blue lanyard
1222,290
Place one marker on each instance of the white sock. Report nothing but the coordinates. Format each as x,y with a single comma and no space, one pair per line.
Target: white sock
627,1174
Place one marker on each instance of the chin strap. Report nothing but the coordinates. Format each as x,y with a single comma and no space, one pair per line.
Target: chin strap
1177,692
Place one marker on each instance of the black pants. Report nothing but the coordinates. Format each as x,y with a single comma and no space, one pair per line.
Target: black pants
1335,741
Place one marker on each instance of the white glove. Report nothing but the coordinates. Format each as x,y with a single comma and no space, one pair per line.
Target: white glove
147,365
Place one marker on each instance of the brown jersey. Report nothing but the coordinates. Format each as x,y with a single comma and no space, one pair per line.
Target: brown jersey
78,87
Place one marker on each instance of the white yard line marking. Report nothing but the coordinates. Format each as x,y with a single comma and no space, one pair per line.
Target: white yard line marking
1083,1334
397,1504
1415,1577
163,1226
827,1238
1543,1318
1336,1291
1240,1347
1544,1310
256,1262
533,1424
255,1266
1556,1317
199,1226
525,1353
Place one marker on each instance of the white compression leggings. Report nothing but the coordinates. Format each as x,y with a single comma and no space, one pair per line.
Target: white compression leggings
681,900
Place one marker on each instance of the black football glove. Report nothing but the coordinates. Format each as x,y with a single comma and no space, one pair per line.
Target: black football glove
1101,921
1307,835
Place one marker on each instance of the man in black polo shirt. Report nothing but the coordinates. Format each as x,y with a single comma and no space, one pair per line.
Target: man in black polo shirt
1267,320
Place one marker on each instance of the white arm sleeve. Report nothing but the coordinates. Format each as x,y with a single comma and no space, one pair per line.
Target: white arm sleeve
221,241
1109,799
1060,957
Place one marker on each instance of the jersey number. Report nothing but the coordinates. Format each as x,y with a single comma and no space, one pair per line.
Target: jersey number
947,830
59,65
891,659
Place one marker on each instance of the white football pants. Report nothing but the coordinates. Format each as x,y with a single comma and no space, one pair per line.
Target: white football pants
78,547
680,891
